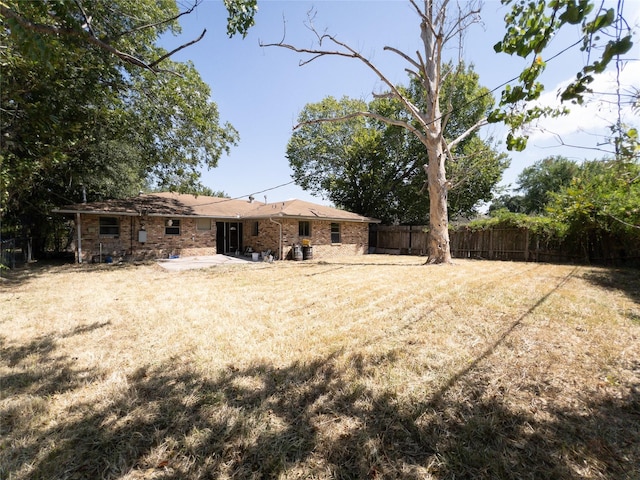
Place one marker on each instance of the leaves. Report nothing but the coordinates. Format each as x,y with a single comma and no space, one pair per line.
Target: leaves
378,170
529,28
76,118
603,195
600,22
241,16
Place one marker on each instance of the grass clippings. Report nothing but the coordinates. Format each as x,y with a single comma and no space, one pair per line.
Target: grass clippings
371,367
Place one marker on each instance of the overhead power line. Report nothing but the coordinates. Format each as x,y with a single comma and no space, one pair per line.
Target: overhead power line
222,200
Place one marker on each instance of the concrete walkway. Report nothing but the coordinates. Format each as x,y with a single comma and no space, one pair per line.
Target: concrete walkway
203,261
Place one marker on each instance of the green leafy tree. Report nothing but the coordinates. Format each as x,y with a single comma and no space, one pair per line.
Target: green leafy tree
92,107
126,29
545,177
537,184
365,165
207,192
345,162
506,202
605,194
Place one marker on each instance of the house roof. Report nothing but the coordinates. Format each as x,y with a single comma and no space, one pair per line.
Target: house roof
186,205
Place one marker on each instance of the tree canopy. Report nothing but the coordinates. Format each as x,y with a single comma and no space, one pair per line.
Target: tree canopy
376,169
537,183
93,107
604,194
595,195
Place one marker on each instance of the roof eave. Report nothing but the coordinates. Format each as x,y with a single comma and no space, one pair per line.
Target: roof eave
314,217
94,212
222,217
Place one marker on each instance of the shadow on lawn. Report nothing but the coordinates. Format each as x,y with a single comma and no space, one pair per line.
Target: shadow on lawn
26,273
317,420
46,373
622,279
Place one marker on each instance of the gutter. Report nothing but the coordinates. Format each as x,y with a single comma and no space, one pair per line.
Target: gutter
112,213
328,219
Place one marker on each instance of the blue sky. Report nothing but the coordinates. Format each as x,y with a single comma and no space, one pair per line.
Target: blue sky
261,90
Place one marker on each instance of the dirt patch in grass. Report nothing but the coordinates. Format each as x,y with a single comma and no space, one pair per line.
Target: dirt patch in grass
373,367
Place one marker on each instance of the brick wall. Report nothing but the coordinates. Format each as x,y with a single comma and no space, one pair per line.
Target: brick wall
354,237
267,238
190,241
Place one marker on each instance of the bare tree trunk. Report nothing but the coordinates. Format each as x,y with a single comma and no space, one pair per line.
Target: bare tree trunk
438,240
431,32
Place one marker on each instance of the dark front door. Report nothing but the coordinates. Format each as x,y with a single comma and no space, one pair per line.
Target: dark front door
229,237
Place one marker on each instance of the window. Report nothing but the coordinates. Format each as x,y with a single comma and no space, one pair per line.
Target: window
335,233
304,229
203,224
172,227
254,229
109,226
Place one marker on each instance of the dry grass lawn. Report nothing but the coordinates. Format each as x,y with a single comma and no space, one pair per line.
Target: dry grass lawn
375,367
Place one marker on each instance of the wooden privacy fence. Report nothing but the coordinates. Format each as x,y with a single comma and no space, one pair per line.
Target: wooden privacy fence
504,243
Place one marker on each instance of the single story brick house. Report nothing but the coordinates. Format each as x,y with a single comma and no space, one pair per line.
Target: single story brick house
161,225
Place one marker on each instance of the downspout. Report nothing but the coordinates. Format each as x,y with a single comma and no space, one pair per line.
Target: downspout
280,238
79,227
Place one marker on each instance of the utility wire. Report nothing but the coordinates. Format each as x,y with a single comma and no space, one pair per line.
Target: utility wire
243,196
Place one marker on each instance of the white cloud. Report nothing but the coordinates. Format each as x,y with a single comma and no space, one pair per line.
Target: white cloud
596,115
592,120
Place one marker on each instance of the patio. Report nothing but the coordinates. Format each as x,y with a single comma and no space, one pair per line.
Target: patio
203,261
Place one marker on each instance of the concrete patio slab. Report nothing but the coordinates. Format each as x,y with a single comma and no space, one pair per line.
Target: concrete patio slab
202,261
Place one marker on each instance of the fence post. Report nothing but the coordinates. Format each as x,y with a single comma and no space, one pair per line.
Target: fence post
491,244
526,245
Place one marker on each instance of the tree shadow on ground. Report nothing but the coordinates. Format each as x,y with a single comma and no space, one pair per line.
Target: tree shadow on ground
625,280
318,420
46,372
28,272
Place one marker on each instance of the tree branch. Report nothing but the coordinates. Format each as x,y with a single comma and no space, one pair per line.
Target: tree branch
185,45
87,18
469,131
89,37
423,17
623,222
461,24
351,53
376,116
404,55
162,22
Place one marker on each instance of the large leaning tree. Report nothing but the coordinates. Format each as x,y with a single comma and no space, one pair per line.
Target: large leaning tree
427,122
